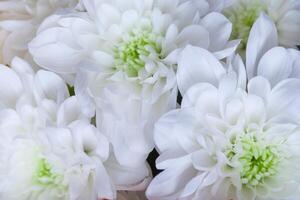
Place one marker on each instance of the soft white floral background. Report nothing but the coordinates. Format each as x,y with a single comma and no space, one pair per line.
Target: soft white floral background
149,99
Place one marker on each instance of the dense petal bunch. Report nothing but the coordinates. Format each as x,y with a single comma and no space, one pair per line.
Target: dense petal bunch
263,58
226,143
284,13
49,149
54,163
212,85
125,58
229,139
19,20
21,86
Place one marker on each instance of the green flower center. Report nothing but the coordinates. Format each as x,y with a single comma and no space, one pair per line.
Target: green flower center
243,17
45,175
130,55
258,160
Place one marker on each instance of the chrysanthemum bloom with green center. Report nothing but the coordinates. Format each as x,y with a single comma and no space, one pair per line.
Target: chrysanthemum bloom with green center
284,13
30,175
59,165
258,160
124,56
229,142
48,148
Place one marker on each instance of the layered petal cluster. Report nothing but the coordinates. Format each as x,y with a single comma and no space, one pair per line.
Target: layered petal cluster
228,143
236,135
284,13
21,86
54,162
48,148
19,20
124,56
265,58
125,76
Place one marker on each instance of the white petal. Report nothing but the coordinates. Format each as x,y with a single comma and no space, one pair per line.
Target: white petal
192,95
239,67
203,161
255,109
127,177
129,18
103,183
49,22
170,182
228,86
228,50
246,193
128,139
207,103
289,28
51,49
101,60
21,67
82,93
51,86
275,65
10,87
284,99
197,65
69,111
168,133
108,14
259,86
167,5
233,111
193,185
194,35
262,37
219,28
170,158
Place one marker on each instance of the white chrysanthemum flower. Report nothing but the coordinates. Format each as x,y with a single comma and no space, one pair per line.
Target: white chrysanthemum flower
217,131
228,143
125,57
28,168
49,150
36,114
284,13
57,164
19,20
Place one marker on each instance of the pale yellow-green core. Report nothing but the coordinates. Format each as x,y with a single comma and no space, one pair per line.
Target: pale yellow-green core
46,176
243,17
258,161
129,55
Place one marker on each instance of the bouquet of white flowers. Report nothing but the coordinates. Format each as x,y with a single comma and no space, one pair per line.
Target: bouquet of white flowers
149,99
